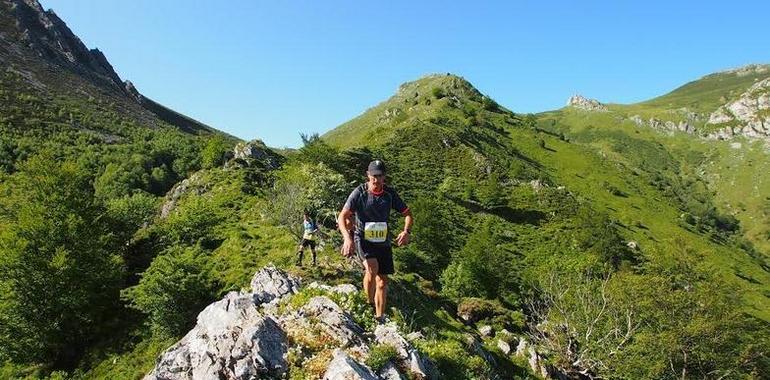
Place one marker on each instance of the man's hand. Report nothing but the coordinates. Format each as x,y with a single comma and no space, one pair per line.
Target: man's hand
402,238
347,248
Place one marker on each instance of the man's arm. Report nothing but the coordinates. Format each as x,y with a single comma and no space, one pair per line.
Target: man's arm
344,223
403,237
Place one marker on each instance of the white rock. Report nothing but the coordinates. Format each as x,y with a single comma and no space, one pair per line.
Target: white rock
390,372
343,367
485,330
271,283
578,101
504,346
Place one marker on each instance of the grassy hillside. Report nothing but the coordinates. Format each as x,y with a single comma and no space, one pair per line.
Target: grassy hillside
602,245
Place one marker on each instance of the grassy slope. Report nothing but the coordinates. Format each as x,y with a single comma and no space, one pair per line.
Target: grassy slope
587,168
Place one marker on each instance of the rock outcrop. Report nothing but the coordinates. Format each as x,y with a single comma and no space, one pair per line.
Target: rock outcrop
578,101
233,337
259,334
188,185
748,116
254,152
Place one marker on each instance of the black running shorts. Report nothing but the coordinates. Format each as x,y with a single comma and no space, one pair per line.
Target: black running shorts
383,254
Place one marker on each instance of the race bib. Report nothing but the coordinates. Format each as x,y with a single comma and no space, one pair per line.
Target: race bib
375,232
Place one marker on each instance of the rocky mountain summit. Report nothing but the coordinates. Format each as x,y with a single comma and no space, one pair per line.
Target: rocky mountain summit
43,32
581,102
40,48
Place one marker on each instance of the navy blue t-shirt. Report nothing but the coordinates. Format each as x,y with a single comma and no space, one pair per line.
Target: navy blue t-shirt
369,207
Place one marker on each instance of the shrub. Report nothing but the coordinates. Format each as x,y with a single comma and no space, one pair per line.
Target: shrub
438,92
380,355
173,290
215,152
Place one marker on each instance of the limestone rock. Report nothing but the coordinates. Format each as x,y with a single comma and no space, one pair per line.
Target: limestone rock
341,288
388,334
343,367
230,340
327,317
188,185
748,114
256,151
504,346
578,101
272,283
390,372
485,330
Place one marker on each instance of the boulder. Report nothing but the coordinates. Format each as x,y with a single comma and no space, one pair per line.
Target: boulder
504,346
390,372
256,151
388,334
271,283
230,340
343,367
324,315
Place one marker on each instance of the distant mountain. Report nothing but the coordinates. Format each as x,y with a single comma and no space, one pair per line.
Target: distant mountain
38,49
720,106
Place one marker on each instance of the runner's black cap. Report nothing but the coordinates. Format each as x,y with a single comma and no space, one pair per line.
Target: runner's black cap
376,167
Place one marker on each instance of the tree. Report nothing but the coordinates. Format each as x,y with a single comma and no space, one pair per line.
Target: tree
58,275
301,187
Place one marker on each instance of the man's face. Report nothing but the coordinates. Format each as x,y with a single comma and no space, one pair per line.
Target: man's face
376,181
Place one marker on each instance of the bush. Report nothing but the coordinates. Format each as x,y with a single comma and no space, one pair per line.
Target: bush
438,92
173,290
380,355
215,152
194,221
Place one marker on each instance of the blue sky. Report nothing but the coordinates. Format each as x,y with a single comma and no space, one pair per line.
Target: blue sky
273,69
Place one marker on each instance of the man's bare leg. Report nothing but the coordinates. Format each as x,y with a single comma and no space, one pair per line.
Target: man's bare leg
380,298
372,270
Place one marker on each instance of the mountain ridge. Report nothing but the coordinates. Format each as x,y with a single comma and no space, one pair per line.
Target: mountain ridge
31,36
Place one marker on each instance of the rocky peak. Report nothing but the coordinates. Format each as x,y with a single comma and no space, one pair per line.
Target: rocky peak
581,102
49,37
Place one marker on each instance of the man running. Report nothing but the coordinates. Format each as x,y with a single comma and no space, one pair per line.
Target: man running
308,238
371,203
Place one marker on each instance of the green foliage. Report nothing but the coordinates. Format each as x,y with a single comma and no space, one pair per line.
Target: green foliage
173,290
380,355
438,92
677,319
483,268
300,187
132,212
58,274
196,222
214,154
597,235
484,311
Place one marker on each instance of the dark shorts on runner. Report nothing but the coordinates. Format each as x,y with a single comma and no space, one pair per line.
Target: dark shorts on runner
383,254
306,242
